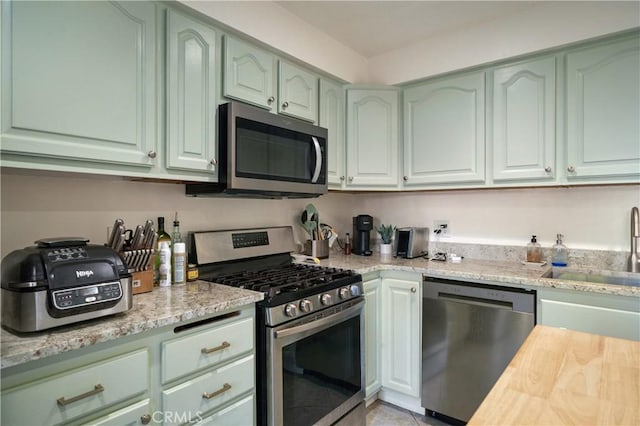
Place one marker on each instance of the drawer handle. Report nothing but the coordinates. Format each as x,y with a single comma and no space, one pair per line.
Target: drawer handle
145,419
224,345
224,388
96,390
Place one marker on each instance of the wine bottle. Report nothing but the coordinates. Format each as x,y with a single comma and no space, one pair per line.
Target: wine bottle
163,236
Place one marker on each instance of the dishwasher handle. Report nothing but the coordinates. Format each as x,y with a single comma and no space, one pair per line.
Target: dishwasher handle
477,301
514,299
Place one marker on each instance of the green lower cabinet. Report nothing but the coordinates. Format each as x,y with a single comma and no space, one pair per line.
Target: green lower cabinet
240,413
605,314
135,414
372,325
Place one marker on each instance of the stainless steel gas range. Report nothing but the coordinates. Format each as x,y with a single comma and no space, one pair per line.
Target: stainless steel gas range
310,326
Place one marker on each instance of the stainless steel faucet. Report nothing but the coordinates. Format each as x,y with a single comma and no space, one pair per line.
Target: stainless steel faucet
634,261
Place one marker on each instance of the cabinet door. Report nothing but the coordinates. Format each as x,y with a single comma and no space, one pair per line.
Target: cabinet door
372,314
297,92
249,73
603,106
606,314
524,121
79,81
134,414
332,118
401,336
372,138
191,94
444,131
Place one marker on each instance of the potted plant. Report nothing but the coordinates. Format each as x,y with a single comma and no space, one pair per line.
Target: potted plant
386,233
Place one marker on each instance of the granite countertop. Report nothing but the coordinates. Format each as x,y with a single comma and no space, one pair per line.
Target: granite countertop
489,271
161,307
561,377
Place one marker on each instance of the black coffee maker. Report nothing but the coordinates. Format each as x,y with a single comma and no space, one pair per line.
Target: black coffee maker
362,226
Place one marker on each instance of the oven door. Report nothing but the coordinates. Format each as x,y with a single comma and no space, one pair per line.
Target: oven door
315,374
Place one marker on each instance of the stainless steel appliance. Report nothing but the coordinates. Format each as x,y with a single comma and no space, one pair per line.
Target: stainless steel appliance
362,226
309,327
470,332
266,155
62,281
411,242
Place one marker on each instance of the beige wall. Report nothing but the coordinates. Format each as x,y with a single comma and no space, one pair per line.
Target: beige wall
546,25
37,205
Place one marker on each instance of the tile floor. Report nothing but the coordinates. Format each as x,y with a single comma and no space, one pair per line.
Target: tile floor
383,414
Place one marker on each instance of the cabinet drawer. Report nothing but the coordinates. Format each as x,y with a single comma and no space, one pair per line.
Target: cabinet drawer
66,396
205,349
135,414
238,414
212,389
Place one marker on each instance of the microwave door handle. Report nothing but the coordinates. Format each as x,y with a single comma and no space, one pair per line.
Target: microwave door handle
316,173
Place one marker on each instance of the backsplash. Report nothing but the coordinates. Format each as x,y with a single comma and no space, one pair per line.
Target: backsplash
578,258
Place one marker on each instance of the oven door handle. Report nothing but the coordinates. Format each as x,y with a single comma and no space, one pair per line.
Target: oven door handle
321,322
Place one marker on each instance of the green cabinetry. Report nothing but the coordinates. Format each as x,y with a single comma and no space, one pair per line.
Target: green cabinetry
372,138
79,81
606,314
444,131
191,94
372,324
524,113
332,118
297,92
603,110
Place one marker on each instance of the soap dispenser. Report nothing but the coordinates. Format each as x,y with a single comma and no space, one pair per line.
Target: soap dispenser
534,251
560,254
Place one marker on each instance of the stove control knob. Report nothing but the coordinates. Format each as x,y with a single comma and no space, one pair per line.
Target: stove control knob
291,310
344,293
306,305
355,290
325,299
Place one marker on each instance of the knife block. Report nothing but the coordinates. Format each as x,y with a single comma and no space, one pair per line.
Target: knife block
317,248
142,282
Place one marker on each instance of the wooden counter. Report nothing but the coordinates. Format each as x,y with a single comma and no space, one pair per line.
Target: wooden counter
564,377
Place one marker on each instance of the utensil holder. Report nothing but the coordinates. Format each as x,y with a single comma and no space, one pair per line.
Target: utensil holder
317,248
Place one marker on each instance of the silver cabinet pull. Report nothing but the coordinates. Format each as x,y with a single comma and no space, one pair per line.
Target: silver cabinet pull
571,169
285,105
413,289
547,169
145,419
350,178
405,178
213,162
223,389
341,177
62,401
224,345
271,100
152,154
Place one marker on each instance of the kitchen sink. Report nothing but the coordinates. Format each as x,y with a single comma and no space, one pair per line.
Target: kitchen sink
601,277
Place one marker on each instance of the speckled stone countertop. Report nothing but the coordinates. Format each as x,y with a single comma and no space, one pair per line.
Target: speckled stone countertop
493,271
162,306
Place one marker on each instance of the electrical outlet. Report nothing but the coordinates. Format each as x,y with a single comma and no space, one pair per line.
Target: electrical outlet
441,228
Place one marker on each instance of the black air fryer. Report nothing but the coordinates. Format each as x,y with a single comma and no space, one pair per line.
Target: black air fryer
362,226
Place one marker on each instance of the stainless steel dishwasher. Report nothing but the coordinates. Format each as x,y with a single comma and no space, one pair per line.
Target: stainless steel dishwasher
470,332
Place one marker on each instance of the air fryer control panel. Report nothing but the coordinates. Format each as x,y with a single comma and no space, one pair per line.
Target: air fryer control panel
87,295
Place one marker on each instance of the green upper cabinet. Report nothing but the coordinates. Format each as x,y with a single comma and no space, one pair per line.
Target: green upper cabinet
249,73
191,94
332,118
372,138
444,131
297,92
524,121
250,76
79,81
603,110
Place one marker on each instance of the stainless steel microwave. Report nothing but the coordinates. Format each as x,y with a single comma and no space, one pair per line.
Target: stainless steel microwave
266,155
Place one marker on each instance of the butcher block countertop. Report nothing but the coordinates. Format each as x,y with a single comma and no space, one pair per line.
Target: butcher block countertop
564,377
